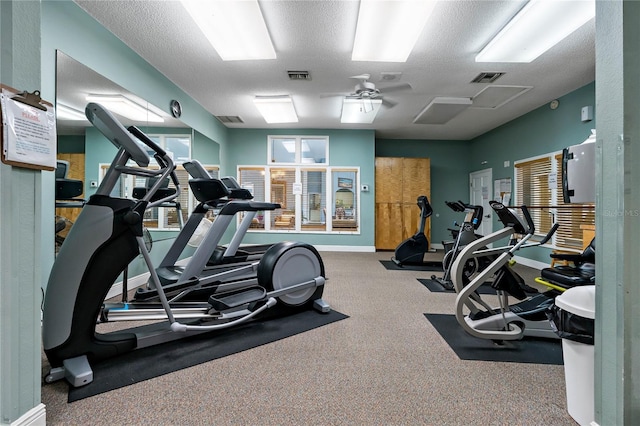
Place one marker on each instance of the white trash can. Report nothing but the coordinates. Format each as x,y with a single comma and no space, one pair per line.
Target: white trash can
575,326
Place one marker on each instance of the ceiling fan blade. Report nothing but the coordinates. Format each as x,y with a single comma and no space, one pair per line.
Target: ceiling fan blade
389,104
361,77
395,88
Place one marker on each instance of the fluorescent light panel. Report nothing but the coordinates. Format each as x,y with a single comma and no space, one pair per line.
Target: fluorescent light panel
125,107
64,112
492,97
276,109
236,29
441,110
540,25
355,110
387,30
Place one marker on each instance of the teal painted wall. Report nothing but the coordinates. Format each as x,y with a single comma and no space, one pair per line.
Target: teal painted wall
450,164
539,132
354,148
205,150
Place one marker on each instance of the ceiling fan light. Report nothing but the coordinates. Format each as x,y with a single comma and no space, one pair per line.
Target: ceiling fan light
354,110
521,39
276,109
236,29
387,31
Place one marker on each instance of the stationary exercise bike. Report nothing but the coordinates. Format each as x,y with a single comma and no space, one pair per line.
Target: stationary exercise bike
108,235
506,322
412,250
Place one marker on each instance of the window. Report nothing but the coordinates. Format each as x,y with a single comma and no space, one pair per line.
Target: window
538,183
314,199
345,201
252,179
313,196
298,149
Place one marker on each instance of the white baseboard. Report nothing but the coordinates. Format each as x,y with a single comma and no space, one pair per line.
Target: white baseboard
355,249
37,416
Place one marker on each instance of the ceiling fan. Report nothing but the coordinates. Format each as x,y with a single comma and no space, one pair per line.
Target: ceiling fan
366,91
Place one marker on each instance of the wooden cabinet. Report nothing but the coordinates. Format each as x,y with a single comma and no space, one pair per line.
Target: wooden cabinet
76,171
399,182
588,234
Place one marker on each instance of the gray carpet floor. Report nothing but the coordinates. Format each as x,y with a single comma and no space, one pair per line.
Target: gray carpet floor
385,365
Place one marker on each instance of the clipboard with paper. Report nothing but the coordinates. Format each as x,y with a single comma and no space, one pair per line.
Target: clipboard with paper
28,135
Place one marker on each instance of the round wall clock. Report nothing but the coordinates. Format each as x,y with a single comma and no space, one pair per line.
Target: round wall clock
176,109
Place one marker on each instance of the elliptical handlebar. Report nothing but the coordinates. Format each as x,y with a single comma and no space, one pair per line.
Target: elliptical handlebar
529,219
110,127
164,161
148,142
552,231
129,148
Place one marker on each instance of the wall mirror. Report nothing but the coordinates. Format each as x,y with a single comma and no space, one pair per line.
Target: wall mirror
76,86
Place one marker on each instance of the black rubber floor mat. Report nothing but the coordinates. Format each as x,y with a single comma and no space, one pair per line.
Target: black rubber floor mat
154,361
528,350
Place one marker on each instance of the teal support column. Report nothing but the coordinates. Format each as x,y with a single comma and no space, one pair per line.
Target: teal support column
617,334
20,234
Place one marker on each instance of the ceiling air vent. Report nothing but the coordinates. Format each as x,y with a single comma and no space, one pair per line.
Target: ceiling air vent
487,77
299,75
230,119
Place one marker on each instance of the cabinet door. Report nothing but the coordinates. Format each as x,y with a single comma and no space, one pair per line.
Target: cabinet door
416,179
388,225
76,171
388,176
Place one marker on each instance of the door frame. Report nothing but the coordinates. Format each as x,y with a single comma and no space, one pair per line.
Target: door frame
486,227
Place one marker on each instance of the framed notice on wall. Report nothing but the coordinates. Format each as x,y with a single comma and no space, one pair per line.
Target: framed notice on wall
28,130
502,190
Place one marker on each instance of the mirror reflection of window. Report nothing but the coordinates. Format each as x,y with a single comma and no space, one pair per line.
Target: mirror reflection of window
180,147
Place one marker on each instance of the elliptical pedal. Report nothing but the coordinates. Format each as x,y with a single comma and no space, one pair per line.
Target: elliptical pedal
233,299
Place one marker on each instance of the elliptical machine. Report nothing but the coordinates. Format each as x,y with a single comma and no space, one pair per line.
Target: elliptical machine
506,322
108,235
462,236
412,250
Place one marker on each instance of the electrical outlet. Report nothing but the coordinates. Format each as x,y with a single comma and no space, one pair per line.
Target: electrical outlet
507,163
93,184
364,188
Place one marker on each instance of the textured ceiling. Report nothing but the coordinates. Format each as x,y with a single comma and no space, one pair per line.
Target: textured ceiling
317,36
